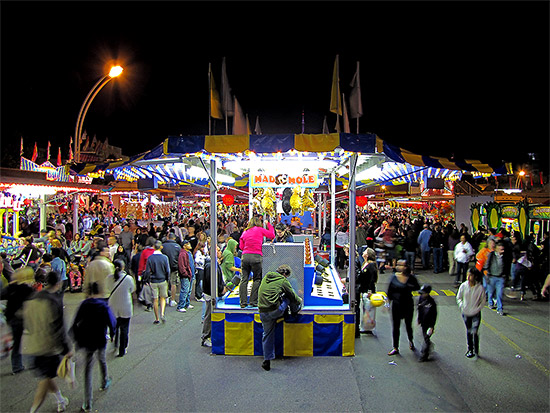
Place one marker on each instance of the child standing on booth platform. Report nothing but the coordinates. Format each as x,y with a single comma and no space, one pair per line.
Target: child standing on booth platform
427,315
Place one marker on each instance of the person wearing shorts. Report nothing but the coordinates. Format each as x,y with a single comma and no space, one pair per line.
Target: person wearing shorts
157,272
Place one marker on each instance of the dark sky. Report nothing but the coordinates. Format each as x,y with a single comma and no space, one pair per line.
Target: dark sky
469,78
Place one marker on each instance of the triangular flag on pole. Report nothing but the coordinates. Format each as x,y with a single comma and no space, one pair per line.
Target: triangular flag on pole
355,104
71,156
325,126
59,156
248,130
239,122
335,97
227,100
215,109
48,152
21,150
257,129
34,153
346,120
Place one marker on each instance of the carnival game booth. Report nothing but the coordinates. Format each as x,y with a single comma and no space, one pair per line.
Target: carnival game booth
283,174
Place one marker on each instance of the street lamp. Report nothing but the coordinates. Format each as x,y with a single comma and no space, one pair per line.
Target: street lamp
114,72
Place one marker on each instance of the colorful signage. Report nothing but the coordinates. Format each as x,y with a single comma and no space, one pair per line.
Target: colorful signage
283,180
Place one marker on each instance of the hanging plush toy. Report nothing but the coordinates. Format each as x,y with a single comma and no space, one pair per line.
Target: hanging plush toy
308,203
257,201
295,201
287,193
268,202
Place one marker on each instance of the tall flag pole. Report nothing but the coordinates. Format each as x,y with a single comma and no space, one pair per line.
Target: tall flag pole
325,126
239,123
303,121
257,129
335,96
345,116
21,149
214,106
34,153
59,156
356,106
48,152
227,99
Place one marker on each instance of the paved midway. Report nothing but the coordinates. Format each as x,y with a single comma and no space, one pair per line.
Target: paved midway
166,369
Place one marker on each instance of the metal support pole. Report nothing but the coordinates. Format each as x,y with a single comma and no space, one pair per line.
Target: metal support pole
75,214
332,218
213,235
352,229
250,197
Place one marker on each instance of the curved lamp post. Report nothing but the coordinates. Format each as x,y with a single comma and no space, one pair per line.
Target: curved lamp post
114,72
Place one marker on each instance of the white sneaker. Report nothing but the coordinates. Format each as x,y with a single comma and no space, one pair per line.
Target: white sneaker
190,306
207,343
201,299
182,310
173,303
62,406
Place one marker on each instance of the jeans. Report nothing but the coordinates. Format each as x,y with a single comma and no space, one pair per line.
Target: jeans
452,261
250,262
495,284
207,323
425,258
438,260
88,370
427,345
472,326
269,322
17,332
461,271
185,293
121,334
198,283
410,256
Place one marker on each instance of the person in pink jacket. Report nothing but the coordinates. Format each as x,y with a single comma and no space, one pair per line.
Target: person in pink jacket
251,246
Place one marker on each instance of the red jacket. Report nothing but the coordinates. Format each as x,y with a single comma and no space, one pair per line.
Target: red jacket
183,264
146,253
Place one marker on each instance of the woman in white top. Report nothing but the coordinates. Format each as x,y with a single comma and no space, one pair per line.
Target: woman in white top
121,304
342,239
471,299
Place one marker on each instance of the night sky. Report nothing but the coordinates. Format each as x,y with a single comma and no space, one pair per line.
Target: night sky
438,78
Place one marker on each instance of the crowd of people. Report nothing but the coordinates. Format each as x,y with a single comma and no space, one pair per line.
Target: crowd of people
115,261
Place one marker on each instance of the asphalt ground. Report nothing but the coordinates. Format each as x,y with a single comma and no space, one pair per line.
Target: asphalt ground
167,370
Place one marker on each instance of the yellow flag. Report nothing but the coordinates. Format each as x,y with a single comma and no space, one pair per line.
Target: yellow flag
215,106
335,99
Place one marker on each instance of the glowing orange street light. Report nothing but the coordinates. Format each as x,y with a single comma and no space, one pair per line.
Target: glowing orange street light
521,173
114,72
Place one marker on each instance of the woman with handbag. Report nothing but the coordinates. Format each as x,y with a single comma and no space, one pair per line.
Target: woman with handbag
121,304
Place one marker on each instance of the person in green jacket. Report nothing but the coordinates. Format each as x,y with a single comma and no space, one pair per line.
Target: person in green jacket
275,295
228,261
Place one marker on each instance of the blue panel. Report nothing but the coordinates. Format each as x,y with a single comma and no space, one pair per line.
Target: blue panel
239,317
349,318
185,144
218,337
327,339
434,163
363,143
271,143
393,152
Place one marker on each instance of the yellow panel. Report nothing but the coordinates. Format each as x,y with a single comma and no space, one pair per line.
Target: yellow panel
328,318
379,145
412,158
257,318
239,339
481,167
298,340
316,143
218,316
348,339
226,143
448,293
445,163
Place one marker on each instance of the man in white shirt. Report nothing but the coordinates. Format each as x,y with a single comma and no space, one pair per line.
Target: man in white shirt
463,254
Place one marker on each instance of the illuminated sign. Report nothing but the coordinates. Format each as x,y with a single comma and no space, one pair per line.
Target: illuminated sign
510,212
541,212
271,180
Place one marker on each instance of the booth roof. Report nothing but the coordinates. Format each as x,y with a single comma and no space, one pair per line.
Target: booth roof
184,146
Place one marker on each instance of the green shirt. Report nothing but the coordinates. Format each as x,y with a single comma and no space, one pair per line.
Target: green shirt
272,287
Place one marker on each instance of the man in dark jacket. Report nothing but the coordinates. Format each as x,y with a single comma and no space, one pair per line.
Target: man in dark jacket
427,315
275,295
171,249
436,242
157,272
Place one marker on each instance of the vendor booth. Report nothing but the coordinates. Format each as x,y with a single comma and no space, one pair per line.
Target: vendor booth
283,174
